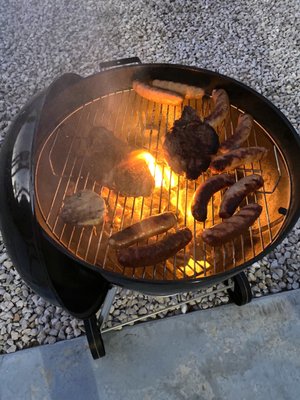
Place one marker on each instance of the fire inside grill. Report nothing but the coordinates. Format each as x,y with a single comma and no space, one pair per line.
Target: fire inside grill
142,124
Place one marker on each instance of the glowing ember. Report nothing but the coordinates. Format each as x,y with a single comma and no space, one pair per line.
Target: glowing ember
197,266
162,177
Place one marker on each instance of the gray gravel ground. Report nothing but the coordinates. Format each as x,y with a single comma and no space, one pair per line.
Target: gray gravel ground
256,42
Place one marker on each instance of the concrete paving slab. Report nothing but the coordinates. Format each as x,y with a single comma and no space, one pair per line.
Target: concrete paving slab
230,352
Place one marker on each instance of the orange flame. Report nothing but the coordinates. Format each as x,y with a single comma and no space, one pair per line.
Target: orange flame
162,177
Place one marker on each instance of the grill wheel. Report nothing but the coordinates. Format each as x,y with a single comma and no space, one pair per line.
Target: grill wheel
241,293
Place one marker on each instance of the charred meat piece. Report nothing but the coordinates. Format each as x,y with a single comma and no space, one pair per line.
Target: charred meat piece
241,134
102,151
233,226
237,192
156,94
189,145
188,91
205,191
148,227
132,176
235,158
157,252
221,108
84,208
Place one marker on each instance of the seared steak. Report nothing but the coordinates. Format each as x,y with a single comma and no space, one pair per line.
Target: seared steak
189,145
102,151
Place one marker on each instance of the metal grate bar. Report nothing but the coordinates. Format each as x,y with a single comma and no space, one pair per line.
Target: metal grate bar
143,123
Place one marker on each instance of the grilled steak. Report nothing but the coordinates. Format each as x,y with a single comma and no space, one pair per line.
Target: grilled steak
102,151
132,177
189,145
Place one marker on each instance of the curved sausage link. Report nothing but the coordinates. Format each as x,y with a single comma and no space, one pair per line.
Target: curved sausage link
187,91
221,109
236,158
148,227
241,134
156,252
205,191
156,94
233,226
237,192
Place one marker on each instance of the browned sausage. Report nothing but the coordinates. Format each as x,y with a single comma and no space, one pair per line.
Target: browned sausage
241,134
221,109
233,226
236,194
148,227
156,94
156,252
205,191
236,158
187,91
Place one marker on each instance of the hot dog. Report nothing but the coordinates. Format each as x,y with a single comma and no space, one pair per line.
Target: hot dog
236,158
241,134
156,252
233,226
205,191
156,94
187,91
221,109
237,192
148,227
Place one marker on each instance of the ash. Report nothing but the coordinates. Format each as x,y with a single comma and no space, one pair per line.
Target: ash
254,42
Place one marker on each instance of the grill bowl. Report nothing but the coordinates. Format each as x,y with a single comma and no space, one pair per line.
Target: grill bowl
59,106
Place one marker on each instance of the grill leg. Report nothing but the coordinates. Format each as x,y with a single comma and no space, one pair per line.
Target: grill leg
93,326
92,330
241,293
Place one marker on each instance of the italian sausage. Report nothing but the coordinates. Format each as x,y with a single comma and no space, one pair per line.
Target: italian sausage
148,227
187,91
221,108
237,192
156,252
205,191
156,94
241,134
233,226
236,158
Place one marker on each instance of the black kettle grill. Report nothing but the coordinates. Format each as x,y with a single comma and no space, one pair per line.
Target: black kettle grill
73,267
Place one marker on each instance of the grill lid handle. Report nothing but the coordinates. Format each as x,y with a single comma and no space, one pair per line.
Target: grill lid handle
119,63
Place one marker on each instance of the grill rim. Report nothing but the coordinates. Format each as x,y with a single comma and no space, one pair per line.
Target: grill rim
104,268
17,237
185,284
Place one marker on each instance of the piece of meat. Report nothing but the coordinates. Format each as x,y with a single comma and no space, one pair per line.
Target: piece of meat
132,176
221,108
189,145
205,191
156,252
102,151
156,94
233,226
237,158
237,192
148,227
187,91
84,208
241,134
